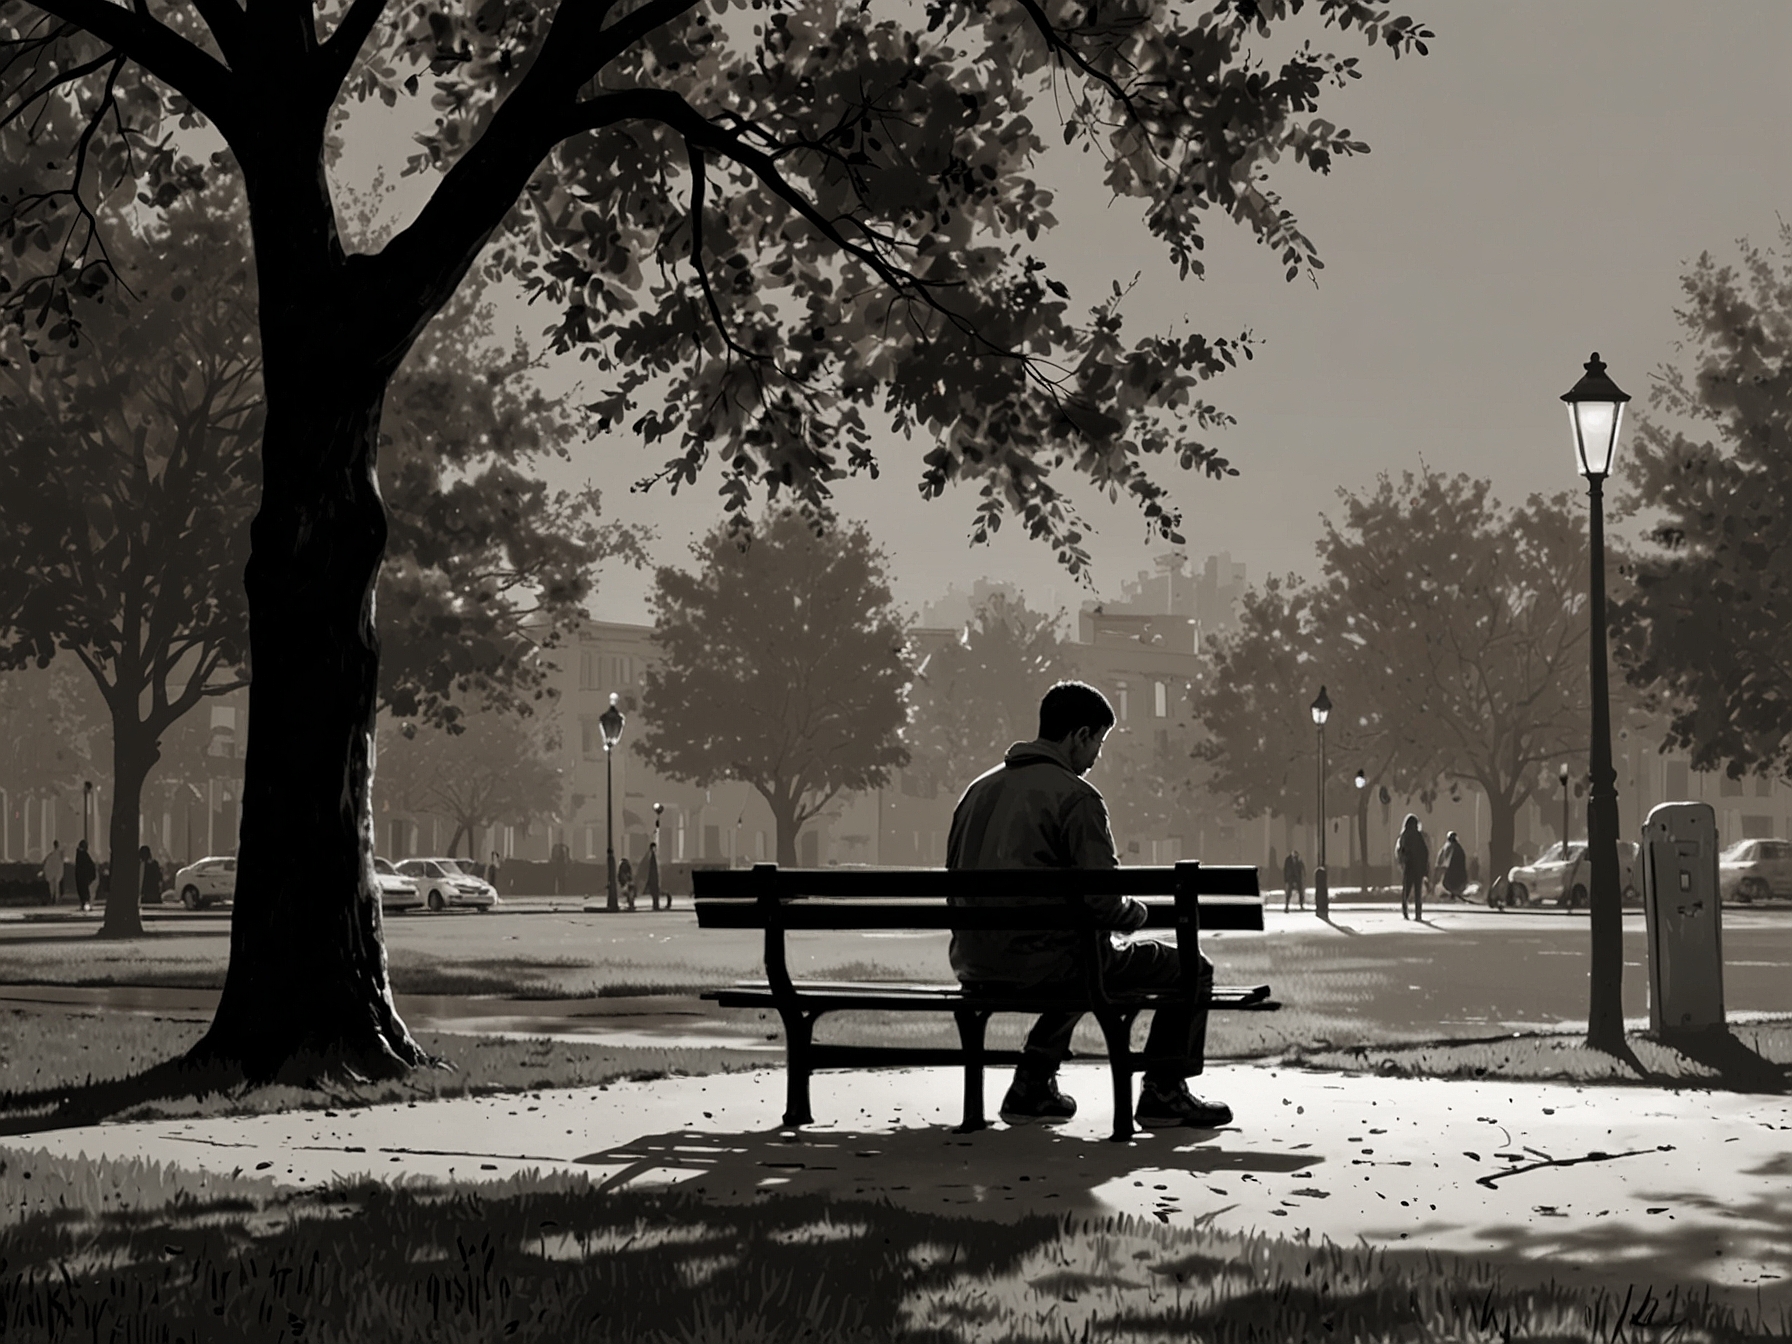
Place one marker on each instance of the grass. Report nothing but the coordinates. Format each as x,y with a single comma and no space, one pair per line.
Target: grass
136,1251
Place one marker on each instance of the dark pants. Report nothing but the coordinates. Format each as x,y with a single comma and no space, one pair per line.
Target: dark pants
1413,887
1176,1046
85,890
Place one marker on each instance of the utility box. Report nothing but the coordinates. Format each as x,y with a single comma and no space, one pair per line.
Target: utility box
1683,916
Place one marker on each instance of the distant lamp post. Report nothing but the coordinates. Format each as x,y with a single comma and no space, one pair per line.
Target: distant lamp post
1362,803
86,810
1595,412
1562,775
610,721
1321,709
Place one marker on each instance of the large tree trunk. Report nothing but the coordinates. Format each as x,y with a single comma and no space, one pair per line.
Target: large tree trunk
134,754
786,822
307,994
1502,828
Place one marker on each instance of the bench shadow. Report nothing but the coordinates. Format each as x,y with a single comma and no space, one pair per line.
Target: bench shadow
997,1173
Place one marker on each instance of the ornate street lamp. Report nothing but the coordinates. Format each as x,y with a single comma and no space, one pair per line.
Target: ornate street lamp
1321,709
610,721
1595,411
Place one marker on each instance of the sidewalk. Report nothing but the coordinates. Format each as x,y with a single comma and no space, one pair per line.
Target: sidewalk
1614,1186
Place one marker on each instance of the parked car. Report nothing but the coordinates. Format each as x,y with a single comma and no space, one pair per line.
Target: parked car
443,884
1753,870
209,881
397,892
1563,874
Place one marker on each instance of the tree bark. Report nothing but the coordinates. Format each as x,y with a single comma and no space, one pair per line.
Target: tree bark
134,755
307,994
1502,827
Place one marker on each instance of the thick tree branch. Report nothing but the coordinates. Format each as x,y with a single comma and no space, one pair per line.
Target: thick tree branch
160,50
225,19
342,46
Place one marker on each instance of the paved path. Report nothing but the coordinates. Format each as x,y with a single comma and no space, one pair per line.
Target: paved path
1615,1185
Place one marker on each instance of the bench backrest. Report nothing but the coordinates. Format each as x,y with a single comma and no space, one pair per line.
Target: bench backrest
778,899
768,897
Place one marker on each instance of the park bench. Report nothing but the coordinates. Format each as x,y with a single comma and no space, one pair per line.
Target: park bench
780,901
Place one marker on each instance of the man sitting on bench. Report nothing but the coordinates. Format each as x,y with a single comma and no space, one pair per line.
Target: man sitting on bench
1035,810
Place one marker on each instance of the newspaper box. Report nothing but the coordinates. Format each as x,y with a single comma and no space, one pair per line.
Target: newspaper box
1683,917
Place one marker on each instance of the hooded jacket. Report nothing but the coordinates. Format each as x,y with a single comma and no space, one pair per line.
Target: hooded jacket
1032,811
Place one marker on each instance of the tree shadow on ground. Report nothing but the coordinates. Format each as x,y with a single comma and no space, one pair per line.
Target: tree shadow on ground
69,1105
1738,1067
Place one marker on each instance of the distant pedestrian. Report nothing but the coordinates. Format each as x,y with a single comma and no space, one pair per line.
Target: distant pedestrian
491,870
625,882
559,859
1413,854
1452,867
1294,880
85,873
151,887
53,865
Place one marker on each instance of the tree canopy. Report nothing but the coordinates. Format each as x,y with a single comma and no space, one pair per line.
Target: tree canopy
1707,627
783,667
764,228
976,695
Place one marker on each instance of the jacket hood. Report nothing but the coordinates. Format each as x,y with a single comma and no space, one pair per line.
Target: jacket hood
1035,752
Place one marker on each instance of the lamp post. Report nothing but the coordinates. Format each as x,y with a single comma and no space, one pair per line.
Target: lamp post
1362,805
1562,775
1595,411
610,722
1321,709
86,809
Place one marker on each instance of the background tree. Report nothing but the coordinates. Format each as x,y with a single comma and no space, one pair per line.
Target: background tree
1471,620
51,738
1707,629
125,450
972,698
496,768
1451,633
783,667
791,224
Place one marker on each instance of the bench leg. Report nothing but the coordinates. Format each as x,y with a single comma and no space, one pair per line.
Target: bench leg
972,1023
1116,1029
799,1033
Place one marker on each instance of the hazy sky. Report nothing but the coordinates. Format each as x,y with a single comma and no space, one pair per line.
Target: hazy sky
1537,185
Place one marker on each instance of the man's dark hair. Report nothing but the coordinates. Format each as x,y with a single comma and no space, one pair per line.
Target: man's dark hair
1071,705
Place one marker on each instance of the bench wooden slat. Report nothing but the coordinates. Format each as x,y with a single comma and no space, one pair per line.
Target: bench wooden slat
1216,914
842,996
933,883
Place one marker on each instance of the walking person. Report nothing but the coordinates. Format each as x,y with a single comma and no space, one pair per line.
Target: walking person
85,872
1452,867
625,883
53,865
1035,810
1413,853
491,870
1294,880
150,890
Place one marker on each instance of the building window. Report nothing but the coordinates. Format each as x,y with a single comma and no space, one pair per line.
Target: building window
1756,827
1123,714
1729,788
591,738
587,670
1763,786
1161,693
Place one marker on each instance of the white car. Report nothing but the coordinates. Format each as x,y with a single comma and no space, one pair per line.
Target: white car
1753,870
1564,875
443,884
396,892
204,882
